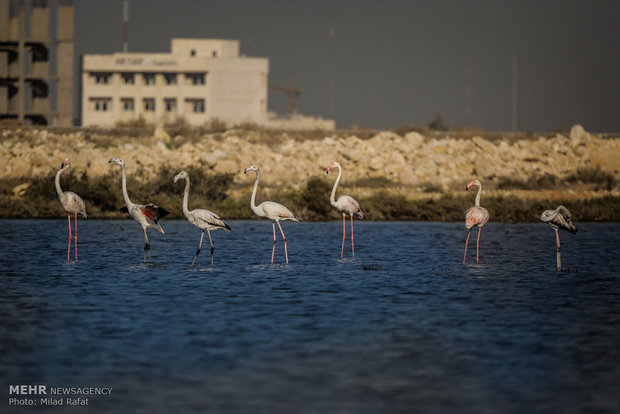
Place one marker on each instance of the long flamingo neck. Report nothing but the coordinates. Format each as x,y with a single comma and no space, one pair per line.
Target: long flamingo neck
478,195
57,182
253,200
125,195
186,197
332,198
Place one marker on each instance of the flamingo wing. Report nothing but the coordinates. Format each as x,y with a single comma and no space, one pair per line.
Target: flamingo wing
276,211
476,216
205,219
153,212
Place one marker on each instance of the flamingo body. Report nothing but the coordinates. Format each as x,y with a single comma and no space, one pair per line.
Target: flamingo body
271,210
201,218
148,215
560,218
346,205
71,203
475,216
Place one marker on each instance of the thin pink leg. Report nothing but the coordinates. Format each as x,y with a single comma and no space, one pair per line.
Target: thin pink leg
352,243
273,223
284,238
466,241
75,250
344,232
69,247
478,243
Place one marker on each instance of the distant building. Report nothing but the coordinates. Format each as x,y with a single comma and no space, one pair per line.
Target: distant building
31,90
199,80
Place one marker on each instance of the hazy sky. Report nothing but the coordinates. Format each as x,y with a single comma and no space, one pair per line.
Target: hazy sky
394,63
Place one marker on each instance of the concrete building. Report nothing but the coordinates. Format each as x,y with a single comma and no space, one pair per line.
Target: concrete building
31,89
199,80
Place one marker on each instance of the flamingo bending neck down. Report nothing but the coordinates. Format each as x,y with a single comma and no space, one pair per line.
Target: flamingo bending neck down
71,203
203,219
271,210
147,215
344,204
475,216
560,218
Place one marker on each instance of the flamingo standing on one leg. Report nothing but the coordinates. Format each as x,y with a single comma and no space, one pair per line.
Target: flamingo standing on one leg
344,204
203,219
147,215
271,210
558,219
71,203
475,216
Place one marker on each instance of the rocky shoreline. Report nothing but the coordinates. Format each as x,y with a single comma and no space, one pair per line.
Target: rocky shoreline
407,165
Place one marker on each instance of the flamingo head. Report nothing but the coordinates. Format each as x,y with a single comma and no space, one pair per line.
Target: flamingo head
251,168
180,176
66,163
469,184
117,161
332,165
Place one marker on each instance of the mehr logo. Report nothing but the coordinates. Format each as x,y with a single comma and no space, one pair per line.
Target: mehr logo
27,389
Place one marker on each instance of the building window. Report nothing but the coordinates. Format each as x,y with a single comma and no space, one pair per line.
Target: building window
193,52
214,53
102,78
171,104
196,78
171,78
149,104
101,104
127,104
127,78
149,78
196,105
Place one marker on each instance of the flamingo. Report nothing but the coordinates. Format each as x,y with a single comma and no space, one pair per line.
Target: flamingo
271,210
203,219
147,215
558,219
344,204
71,203
475,216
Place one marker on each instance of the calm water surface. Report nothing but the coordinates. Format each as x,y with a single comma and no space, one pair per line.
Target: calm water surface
406,328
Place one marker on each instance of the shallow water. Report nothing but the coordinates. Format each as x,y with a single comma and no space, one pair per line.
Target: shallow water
405,328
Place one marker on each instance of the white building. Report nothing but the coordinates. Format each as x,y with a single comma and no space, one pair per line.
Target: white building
199,80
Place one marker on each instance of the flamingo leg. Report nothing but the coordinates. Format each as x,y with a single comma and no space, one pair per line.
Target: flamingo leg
466,241
344,232
69,246
558,257
283,238
273,250
212,248
147,246
199,247
352,243
478,243
75,249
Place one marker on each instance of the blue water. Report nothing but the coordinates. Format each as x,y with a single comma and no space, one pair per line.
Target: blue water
409,329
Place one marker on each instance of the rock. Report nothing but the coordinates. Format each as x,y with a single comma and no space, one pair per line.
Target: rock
226,167
407,177
414,140
161,135
484,145
20,190
578,133
211,158
608,159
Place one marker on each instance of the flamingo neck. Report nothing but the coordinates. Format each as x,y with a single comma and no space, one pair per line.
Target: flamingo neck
125,195
186,197
332,198
253,199
478,195
57,182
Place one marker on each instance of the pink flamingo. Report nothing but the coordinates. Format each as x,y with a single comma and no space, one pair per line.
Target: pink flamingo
344,204
201,218
147,215
71,203
475,216
558,219
271,210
